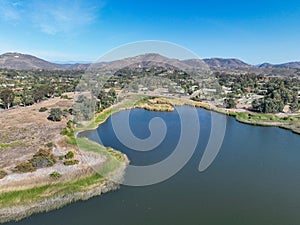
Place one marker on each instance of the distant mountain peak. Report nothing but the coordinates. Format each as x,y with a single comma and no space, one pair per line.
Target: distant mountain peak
19,61
14,60
231,63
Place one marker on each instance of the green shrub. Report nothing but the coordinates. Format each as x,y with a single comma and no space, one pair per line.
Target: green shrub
70,124
41,161
71,162
55,114
2,174
70,155
25,167
43,109
55,175
65,131
69,131
61,157
43,158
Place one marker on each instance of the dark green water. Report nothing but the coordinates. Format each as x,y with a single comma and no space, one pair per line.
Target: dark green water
255,180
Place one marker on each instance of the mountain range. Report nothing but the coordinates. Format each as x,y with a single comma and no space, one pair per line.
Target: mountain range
20,61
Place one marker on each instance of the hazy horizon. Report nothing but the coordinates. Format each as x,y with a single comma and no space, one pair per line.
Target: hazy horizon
97,60
255,32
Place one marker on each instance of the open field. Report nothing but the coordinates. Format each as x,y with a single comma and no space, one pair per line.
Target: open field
24,130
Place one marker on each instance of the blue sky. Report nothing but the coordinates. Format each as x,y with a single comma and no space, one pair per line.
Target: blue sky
80,30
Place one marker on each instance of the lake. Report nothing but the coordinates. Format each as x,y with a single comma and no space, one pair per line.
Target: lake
254,180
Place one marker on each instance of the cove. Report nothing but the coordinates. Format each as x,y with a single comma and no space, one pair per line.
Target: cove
253,181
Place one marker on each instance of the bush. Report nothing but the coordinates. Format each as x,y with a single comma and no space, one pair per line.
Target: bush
71,162
55,114
229,103
61,157
65,131
25,167
43,109
70,155
70,124
41,162
43,158
2,174
55,175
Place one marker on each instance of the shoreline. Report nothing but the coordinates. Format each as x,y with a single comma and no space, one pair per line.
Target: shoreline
173,102
266,122
97,188
18,213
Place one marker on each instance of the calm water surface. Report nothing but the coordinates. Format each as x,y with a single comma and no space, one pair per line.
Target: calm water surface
255,180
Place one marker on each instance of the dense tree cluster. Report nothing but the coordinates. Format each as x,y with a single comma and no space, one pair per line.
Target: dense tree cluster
275,92
86,106
30,86
277,96
131,78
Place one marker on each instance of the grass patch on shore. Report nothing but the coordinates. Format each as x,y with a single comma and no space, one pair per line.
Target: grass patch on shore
114,158
91,146
101,117
25,197
259,117
4,146
69,132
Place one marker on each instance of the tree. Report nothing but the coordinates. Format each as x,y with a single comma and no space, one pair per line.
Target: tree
39,92
55,114
112,93
268,105
229,103
257,105
295,103
7,96
26,98
84,108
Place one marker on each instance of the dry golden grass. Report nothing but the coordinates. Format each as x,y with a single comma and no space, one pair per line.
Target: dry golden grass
24,130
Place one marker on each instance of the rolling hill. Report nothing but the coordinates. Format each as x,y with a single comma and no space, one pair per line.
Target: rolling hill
20,61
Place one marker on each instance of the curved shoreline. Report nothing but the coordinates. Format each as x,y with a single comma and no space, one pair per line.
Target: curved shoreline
21,212
181,102
58,201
